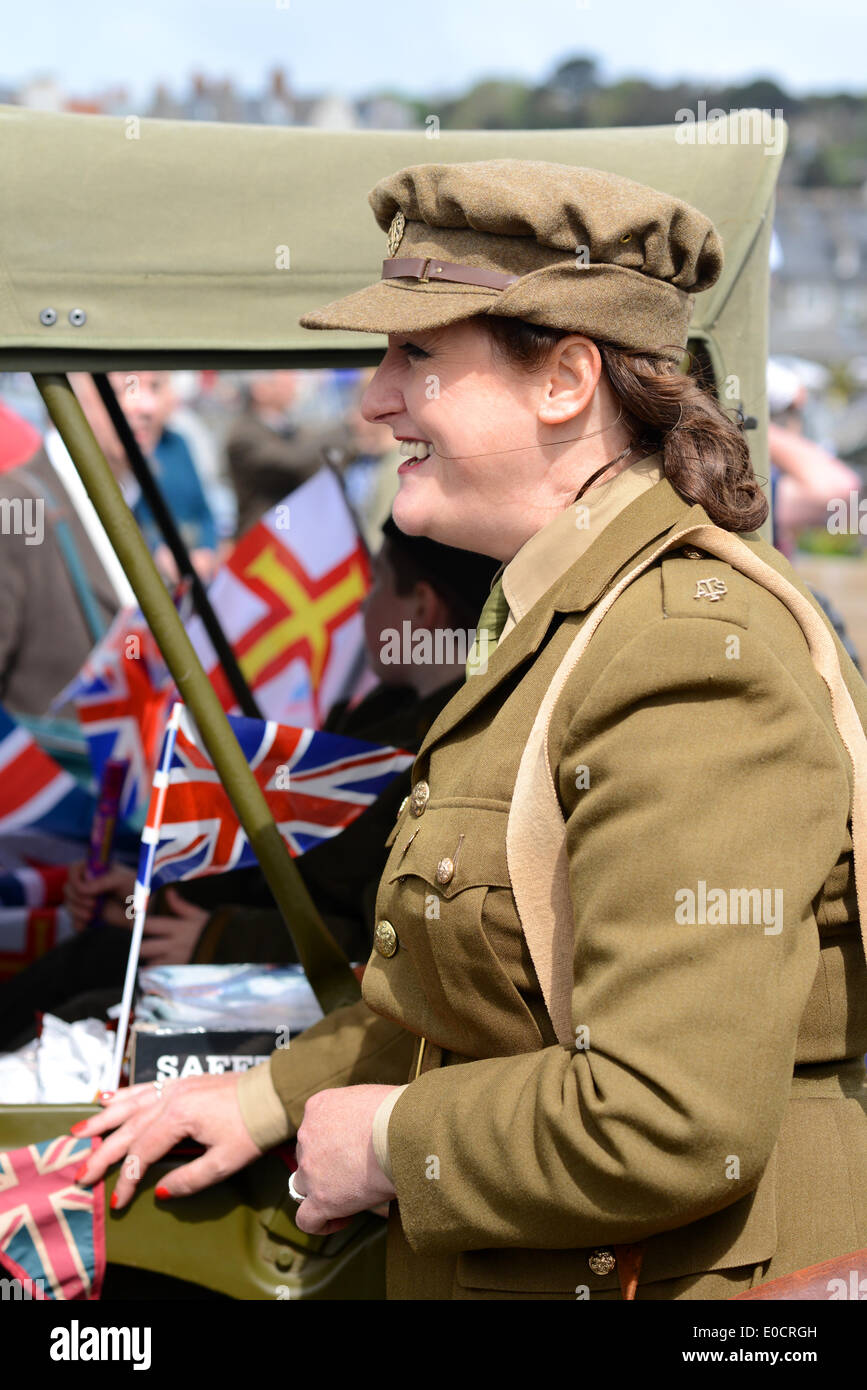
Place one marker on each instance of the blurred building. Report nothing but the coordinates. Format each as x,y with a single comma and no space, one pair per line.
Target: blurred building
216,99
819,294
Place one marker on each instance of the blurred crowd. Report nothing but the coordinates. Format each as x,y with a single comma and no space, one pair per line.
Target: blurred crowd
227,447
224,449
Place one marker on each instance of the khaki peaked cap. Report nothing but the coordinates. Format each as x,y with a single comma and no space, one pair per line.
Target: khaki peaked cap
566,247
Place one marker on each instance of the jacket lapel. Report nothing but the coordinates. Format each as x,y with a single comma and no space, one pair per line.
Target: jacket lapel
634,529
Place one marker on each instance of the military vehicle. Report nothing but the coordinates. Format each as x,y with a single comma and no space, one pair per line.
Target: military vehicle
146,244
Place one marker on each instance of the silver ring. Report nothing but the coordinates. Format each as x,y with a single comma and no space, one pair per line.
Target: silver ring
158,1086
296,1196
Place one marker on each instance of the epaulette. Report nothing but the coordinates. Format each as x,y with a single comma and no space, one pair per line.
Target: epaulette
698,585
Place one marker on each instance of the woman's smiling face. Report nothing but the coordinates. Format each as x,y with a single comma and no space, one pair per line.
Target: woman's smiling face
494,473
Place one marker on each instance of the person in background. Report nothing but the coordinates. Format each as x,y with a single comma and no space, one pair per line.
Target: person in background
148,401
193,417
269,452
56,599
805,478
432,587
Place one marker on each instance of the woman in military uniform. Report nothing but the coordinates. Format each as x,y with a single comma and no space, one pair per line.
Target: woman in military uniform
649,1111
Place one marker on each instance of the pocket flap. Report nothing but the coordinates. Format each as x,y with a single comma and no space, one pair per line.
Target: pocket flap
392,834
466,843
742,1234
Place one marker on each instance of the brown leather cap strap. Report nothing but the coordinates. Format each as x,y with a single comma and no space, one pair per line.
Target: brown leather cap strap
425,269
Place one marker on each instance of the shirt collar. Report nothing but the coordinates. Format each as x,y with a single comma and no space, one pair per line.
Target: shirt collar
552,550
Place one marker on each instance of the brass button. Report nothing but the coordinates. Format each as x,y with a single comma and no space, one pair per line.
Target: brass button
693,554
602,1261
385,938
419,798
445,870
401,806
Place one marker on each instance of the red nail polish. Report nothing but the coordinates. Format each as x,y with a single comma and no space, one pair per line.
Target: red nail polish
113,1202
162,1192
76,1129
106,1095
81,1170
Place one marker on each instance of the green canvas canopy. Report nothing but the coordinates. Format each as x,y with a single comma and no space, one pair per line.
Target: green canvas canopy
185,242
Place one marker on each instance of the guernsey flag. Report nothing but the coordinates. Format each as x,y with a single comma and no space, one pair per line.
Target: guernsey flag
289,599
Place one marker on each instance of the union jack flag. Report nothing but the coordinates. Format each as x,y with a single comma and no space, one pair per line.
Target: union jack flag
315,784
33,885
122,696
52,1233
35,792
45,820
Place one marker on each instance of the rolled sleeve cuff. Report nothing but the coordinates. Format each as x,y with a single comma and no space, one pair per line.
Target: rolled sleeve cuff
261,1108
379,1134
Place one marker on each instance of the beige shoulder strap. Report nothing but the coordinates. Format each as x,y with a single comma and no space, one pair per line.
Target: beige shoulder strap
536,830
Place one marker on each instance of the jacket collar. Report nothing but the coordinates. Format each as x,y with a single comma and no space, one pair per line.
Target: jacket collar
633,531
543,559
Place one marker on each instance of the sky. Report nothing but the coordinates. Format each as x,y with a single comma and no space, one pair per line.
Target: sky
353,47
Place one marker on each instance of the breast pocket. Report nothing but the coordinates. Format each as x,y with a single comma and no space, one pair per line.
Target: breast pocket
446,866
452,847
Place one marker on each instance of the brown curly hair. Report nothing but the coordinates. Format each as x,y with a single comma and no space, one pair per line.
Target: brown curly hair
705,455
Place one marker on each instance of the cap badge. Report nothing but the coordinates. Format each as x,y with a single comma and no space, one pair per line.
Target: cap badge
395,232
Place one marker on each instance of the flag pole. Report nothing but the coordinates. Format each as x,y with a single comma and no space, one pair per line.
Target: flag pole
175,542
325,965
353,676
149,841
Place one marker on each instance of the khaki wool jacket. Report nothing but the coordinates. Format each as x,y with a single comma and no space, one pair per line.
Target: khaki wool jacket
714,1105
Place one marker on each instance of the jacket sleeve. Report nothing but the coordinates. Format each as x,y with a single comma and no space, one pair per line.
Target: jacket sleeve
701,770
352,1046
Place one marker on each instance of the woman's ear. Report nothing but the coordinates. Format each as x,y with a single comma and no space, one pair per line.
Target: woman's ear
569,380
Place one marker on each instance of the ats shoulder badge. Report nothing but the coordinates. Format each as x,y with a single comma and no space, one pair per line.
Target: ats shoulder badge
691,577
395,232
712,589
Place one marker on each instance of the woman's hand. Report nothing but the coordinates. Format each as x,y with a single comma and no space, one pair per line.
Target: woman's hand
148,1124
83,891
205,563
337,1167
165,563
172,940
